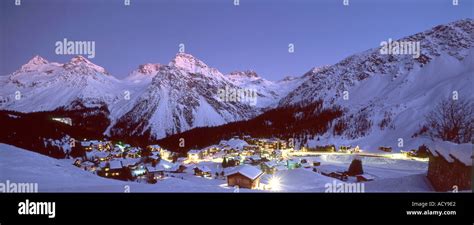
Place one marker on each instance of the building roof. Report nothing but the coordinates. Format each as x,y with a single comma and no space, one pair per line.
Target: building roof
271,163
155,157
194,151
115,164
152,169
88,163
164,165
96,154
450,151
130,161
247,171
203,168
237,143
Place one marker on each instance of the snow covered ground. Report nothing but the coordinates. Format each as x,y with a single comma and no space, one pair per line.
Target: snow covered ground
53,175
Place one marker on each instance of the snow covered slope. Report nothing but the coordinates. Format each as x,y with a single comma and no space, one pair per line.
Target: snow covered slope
269,92
388,96
181,96
53,175
43,86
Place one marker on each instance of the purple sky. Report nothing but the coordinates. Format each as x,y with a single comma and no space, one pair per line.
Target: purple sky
254,35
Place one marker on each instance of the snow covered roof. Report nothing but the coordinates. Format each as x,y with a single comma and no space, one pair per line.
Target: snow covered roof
194,151
85,143
115,164
96,154
255,158
87,163
134,150
203,168
247,171
165,165
236,143
451,151
152,169
129,161
271,163
102,164
154,146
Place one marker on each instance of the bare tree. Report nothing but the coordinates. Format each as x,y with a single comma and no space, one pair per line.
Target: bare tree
452,120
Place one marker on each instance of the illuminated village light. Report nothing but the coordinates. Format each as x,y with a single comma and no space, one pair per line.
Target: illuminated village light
275,183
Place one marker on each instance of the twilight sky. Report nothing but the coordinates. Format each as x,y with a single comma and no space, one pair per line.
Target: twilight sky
254,35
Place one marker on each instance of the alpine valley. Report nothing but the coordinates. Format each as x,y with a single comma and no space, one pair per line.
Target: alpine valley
367,99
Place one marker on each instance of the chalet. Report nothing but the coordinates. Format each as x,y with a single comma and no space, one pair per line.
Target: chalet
116,153
155,172
202,171
178,168
169,167
154,148
292,164
194,155
213,149
131,163
96,155
86,145
138,171
166,154
89,166
364,178
96,144
154,158
254,160
356,149
251,148
113,169
450,166
344,148
335,174
134,153
269,167
244,177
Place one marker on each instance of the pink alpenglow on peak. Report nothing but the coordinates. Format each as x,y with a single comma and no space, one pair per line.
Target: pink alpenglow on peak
79,64
34,64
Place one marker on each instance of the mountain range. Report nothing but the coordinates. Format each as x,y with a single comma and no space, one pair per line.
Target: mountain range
383,97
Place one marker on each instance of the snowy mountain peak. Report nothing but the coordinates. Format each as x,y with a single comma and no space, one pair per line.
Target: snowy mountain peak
80,59
34,64
80,65
187,62
37,60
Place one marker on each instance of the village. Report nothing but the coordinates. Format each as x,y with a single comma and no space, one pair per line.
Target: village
240,162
